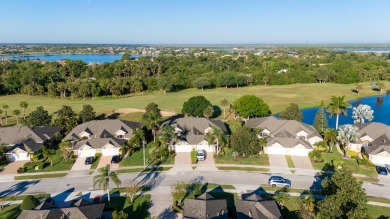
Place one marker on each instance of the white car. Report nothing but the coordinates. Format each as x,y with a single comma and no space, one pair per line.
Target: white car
201,154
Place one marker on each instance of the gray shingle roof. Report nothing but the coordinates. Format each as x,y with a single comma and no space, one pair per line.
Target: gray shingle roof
205,206
103,128
253,207
379,132
289,142
98,143
193,128
16,135
88,211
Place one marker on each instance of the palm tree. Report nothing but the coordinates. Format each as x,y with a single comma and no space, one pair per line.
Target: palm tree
5,107
136,139
167,135
330,136
381,85
362,112
217,135
347,134
336,107
224,103
152,121
48,154
65,148
24,106
102,179
16,114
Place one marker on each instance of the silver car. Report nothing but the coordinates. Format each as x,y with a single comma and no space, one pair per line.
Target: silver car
279,181
201,154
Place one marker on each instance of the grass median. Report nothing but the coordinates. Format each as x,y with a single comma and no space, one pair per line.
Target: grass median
40,176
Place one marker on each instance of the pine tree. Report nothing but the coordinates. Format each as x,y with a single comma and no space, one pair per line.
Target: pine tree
320,120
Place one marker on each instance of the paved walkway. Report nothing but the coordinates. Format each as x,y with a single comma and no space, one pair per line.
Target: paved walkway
278,164
182,162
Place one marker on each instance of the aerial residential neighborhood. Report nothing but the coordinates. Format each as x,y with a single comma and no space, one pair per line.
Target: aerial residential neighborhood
194,109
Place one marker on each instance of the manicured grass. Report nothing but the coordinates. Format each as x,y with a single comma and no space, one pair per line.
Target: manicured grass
136,159
139,209
59,164
290,162
134,170
381,200
277,97
368,179
227,158
96,161
10,212
351,163
244,169
123,190
40,176
211,186
378,212
134,117
21,197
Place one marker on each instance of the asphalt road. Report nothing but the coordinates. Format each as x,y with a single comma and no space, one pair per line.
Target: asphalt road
164,179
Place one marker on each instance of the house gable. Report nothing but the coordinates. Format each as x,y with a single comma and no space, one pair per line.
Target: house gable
299,146
383,154
276,145
108,146
84,134
302,134
18,151
366,138
85,147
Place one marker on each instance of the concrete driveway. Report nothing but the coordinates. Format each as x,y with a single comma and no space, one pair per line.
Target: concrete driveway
12,168
278,164
80,165
182,162
104,160
208,164
303,165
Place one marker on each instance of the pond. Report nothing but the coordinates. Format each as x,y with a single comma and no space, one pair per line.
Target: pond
380,105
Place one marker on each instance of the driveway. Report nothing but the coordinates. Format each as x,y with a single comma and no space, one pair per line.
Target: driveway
208,164
278,164
104,160
303,165
12,168
182,162
80,165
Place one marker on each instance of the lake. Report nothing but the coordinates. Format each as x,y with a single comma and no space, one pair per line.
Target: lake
380,105
87,58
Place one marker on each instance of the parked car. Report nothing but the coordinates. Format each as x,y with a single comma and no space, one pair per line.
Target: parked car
115,159
89,160
381,170
387,167
201,154
279,181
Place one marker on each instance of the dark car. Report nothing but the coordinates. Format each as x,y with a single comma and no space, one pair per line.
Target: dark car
388,168
381,170
115,159
88,160
279,181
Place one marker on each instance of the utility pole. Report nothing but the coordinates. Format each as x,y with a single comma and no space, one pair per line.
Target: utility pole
143,145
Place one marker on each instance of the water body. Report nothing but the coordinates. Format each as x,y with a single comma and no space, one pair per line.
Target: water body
362,50
380,105
87,58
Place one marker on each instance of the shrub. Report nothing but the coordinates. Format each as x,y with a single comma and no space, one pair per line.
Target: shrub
119,215
352,153
29,202
364,162
37,157
20,170
316,156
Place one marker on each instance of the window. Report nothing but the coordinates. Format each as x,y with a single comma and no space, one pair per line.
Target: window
120,136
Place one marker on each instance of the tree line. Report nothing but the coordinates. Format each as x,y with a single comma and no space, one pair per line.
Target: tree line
76,79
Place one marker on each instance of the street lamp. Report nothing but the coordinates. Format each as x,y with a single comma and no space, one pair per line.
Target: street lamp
143,145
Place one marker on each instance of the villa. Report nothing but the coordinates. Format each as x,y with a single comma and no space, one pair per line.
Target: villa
100,136
192,131
286,137
25,141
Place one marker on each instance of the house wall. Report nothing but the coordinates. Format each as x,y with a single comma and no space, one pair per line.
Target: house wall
380,159
276,148
314,140
356,147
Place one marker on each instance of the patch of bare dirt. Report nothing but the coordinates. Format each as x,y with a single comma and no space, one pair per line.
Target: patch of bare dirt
134,110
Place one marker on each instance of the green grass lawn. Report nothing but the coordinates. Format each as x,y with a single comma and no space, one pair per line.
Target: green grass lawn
245,169
290,162
40,176
59,164
351,163
143,170
139,209
194,158
136,159
10,212
277,97
227,158
21,197
96,161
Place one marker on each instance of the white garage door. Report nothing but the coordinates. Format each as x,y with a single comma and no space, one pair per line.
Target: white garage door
299,152
86,153
19,156
276,150
380,160
207,148
110,151
183,148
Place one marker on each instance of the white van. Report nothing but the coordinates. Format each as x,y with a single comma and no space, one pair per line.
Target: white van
201,154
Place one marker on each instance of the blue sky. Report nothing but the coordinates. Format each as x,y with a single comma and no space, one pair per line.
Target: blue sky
194,21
